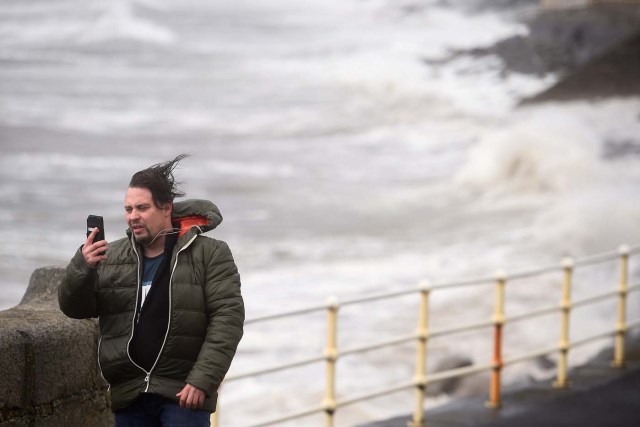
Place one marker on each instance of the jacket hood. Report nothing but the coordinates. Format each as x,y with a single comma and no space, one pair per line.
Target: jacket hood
202,214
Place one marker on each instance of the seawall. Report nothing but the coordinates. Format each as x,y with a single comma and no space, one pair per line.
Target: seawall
48,365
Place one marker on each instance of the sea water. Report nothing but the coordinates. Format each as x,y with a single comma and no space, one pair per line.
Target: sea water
349,152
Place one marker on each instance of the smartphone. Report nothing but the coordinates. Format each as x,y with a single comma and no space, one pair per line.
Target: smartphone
94,221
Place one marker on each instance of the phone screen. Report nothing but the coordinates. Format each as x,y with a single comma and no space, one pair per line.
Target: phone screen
94,221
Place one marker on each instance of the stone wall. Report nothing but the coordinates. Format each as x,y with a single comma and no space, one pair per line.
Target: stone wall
48,363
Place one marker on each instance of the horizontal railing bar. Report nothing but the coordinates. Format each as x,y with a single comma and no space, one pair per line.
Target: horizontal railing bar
577,303
528,356
594,298
590,260
532,273
408,338
275,368
378,345
376,297
596,259
586,340
606,256
312,309
374,394
295,416
593,259
462,283
457,372
530,314
457,329
296,312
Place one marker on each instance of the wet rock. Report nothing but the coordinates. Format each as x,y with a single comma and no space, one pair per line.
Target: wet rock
561,41
468,385
614,74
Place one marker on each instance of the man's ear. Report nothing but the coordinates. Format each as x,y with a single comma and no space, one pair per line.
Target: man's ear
168,208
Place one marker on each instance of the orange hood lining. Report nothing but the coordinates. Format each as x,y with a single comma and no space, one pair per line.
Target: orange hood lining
185,223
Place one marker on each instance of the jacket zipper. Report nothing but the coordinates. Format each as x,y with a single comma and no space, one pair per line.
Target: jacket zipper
136,313
99,365
147,377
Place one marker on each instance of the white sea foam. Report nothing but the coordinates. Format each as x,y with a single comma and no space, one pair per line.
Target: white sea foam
74,22
543,151
555,157
591,221
119,21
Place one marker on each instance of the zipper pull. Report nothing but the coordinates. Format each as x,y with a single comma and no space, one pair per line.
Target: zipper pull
146,379
138,318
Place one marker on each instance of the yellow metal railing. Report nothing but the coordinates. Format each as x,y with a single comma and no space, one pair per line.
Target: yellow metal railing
499,320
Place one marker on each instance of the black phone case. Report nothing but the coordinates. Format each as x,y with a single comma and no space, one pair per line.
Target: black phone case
95,221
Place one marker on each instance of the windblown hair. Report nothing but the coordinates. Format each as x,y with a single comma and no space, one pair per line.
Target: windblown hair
160,181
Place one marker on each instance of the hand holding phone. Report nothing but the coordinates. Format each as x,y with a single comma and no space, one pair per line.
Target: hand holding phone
94,221
95,247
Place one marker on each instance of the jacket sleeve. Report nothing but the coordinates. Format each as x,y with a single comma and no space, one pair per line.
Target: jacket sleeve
225,310
76,295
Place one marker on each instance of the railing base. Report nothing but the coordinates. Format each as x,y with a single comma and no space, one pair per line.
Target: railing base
618,365
492,405
561,385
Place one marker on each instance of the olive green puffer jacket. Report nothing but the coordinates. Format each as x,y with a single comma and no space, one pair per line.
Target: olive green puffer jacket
206,319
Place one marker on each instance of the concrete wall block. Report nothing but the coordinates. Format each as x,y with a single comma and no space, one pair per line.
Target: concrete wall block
57,359
12,367
86,409
42,292
49,368
65,359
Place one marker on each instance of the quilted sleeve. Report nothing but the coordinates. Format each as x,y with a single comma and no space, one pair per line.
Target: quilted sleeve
76,295
225,308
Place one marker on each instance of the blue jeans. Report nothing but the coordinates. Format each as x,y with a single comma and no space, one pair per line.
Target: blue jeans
152,410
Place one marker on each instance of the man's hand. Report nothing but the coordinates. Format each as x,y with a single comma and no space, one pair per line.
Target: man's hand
191,397
94,252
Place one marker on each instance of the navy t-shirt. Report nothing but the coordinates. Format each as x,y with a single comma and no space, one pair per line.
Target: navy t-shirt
150,268
153,312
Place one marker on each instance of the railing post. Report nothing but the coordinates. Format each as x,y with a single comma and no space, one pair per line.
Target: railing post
214,419
214,416
495,400
420,379
565,305
331,355
621,326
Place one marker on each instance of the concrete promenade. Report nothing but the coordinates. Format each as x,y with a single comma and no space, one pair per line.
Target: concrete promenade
599,396
614,403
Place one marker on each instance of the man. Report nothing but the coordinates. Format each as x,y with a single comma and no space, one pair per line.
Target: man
168,300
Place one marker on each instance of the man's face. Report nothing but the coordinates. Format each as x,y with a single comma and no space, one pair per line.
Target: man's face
143,217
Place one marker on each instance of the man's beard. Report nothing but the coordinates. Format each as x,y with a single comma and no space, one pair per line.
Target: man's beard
144,239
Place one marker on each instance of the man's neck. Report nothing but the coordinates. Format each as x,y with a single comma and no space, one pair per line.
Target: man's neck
155,249
157,245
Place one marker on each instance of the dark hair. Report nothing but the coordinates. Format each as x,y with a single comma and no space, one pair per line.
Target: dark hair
159,180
